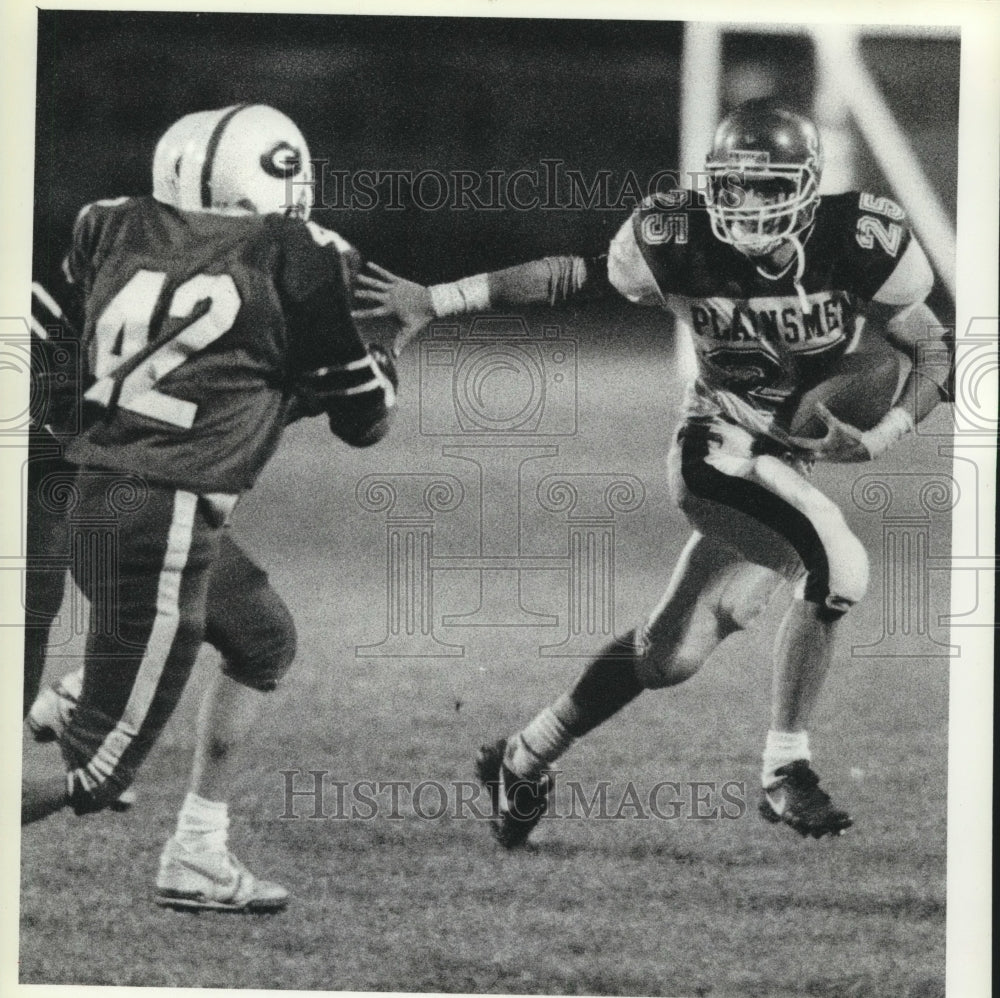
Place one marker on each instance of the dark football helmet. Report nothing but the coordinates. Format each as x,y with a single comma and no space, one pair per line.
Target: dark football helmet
763,177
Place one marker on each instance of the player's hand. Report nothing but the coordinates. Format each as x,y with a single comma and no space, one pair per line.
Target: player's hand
407,302
842,442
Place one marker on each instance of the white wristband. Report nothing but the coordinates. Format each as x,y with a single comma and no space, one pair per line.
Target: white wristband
893,427
470,294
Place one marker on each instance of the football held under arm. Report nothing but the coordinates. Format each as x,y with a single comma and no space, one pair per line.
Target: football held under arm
898,307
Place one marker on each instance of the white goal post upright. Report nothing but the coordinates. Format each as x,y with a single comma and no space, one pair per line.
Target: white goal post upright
701,71
845,90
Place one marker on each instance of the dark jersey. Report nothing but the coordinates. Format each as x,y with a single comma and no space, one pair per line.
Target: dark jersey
757,339
196,327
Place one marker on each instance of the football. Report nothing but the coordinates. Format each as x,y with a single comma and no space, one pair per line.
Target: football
859,389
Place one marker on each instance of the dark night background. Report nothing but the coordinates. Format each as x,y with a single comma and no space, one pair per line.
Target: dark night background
727,908
425,93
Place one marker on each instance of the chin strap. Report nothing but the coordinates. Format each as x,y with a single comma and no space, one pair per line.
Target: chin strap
800,269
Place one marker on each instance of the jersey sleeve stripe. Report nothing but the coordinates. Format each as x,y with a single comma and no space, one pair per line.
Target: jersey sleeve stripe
352,365
368,386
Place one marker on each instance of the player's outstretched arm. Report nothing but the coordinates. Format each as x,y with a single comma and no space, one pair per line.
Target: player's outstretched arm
391,296
551,280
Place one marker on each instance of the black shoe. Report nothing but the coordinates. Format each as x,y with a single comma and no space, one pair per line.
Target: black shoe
518,803
795,799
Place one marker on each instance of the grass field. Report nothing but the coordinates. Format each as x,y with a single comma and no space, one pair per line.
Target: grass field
726,907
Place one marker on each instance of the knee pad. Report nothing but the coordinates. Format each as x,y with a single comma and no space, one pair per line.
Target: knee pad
841,583
836,571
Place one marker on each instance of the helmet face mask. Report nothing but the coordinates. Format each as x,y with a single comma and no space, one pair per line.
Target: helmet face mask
763,178
246,159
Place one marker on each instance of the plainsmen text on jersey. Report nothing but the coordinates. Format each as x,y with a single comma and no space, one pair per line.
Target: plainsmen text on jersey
196,328
756,340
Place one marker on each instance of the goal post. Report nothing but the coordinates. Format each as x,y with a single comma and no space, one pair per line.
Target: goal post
846,91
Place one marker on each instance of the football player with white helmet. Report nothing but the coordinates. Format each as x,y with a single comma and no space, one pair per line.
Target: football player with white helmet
770,287
214,313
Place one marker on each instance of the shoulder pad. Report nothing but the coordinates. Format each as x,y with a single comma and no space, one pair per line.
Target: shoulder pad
102,203
87,231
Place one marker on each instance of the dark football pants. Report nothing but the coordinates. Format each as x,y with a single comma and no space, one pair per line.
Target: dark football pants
763,508
246,620
145,573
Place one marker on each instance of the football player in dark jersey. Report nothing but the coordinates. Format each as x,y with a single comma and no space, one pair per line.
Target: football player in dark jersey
770,285
245,619
209,321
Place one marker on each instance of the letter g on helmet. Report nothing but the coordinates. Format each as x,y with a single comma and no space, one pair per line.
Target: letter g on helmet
248,158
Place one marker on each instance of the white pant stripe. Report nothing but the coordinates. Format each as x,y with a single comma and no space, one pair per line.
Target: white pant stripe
161,637
847,560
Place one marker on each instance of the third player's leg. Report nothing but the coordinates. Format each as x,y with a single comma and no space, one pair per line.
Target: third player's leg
251,627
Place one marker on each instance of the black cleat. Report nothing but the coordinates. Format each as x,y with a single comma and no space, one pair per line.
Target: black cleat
796,800
518,803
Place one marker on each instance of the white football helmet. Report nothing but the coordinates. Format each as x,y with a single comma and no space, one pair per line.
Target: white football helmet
245,159
167,157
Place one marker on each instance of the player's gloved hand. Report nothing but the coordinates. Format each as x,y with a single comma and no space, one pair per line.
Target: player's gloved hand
405,301
847,444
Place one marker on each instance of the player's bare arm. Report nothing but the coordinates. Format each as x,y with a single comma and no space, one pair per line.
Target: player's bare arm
551,280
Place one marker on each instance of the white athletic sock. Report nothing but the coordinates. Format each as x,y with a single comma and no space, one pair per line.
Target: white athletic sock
542,742
781,748
202,824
